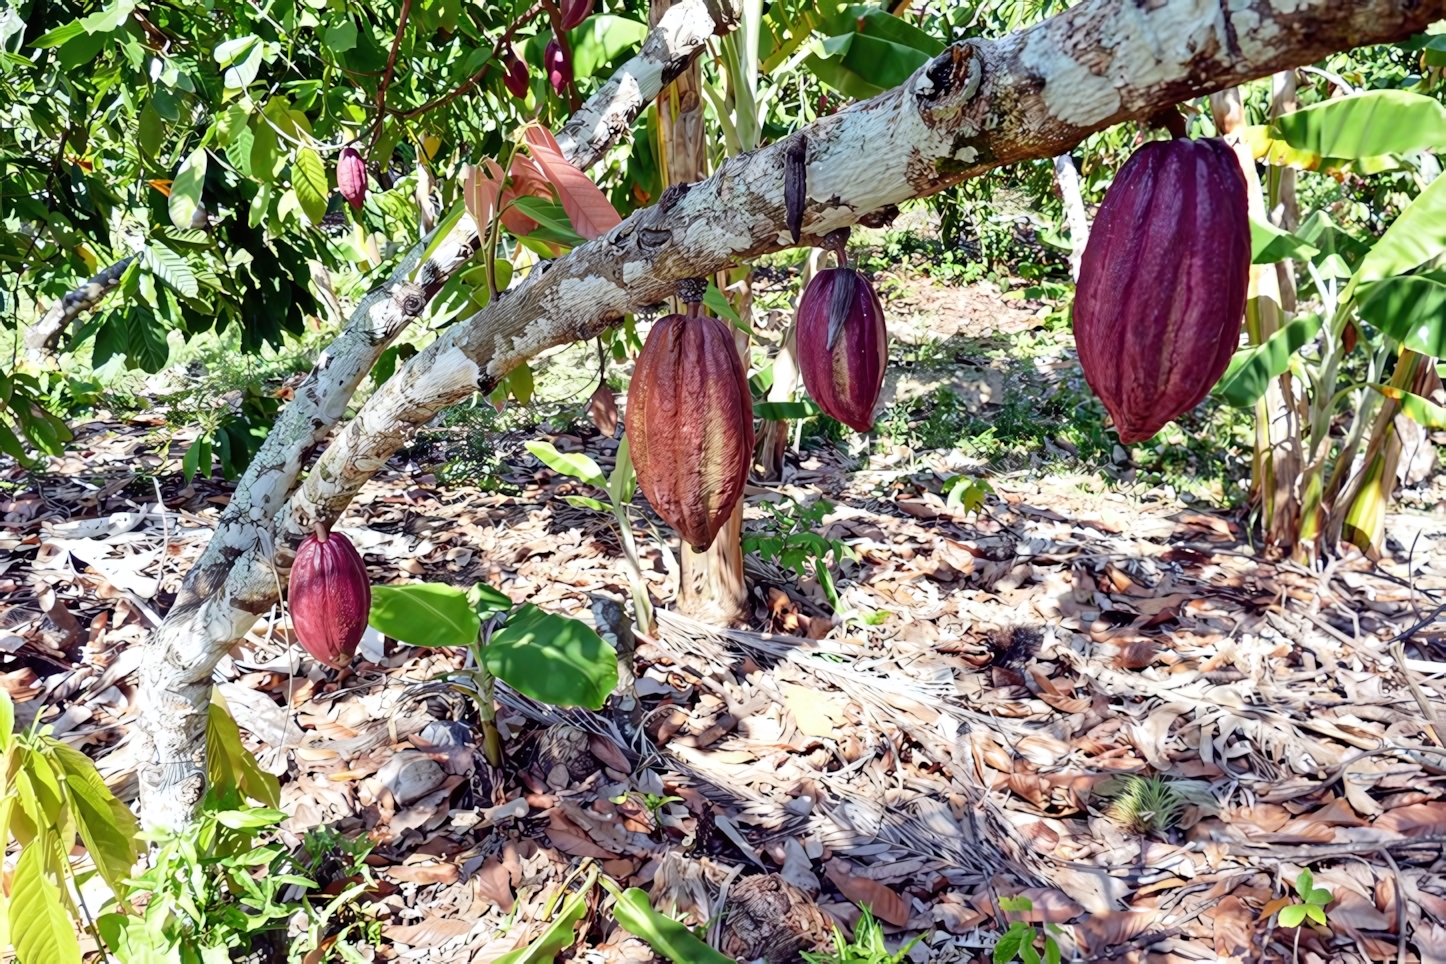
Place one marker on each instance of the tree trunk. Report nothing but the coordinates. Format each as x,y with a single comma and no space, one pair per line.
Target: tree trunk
981,103
1067,179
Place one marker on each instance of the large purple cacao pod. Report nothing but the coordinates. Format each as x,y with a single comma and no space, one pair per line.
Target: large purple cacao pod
351,177
557,65
690,425
1163,280
575,12
330,597
843,345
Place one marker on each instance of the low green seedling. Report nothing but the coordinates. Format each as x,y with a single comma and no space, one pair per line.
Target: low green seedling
1018,942
789,536
867,946
1313,901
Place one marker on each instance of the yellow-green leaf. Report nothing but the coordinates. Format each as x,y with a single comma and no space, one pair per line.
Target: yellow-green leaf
186,189
106,825
308,178
42,932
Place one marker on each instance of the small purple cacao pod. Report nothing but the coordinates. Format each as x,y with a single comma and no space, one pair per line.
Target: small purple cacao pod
1163,282
690,425
516,77
330,596
558,65
351,177
575,12
843,345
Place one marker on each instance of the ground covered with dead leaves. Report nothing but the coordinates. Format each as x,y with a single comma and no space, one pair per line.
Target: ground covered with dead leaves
957,742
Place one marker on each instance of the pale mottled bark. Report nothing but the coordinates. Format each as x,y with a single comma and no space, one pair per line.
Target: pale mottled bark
1033,94
42,337
1067,179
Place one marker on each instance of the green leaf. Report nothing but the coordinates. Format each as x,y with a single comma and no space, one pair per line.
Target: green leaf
559,934
1252,368
575,464
172,268
552,658
1417,236
150,130
1368,124
554,224
602,39
7,722
425,614
145,340
778,411
1411,309
487,600
519,382
634,913
39,926
229,765
186,189
1008,946
308,178
265,150
439,234
60,35
1269,244
340,36
198,451
716,302
252,819
1316,913
106,825
624,480
583,502
1292,915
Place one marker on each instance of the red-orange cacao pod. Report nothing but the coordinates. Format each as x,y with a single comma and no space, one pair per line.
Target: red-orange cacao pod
843,345
330,597
351,177
1163,280
690,425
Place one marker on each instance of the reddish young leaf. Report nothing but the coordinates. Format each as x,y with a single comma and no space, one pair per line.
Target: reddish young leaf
591,214
527,181
480,189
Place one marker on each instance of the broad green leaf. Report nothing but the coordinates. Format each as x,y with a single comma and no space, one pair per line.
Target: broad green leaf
424,614
1292,915
196,452
340,36
575,464
553,222
251,819
40,928
265,151
1251,369
1269,244
106,825
601,40
109,17
150,129
624,479
1316,913
308,178
146,347
1008,946
583,502
1411,309
1368,124
7,723
552,658
559,934
1423,412
519,382
186,189
487,600
717,303
60,35
171,267
439,234
229,765
666,936
779,411
1417,236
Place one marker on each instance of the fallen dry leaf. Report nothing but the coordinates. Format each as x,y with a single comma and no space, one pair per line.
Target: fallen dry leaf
571,839
493,884
429,932
1416,820
1234,929
424,873
882,902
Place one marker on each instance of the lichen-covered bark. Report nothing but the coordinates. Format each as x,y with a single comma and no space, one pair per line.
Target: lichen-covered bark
41,338
1035,93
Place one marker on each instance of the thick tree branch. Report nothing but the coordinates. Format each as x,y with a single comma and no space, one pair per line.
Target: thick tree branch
1033,94
41,338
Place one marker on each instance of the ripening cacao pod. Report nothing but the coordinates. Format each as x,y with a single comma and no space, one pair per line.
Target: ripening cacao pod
351,177
1162,285
516,78
330,597
558,66
575,12
843,346
690,424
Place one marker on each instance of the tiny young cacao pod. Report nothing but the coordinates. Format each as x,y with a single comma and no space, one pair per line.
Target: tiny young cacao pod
558,66
330,597
516,77
351,177
843,345
575,12
1162,286
690,424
